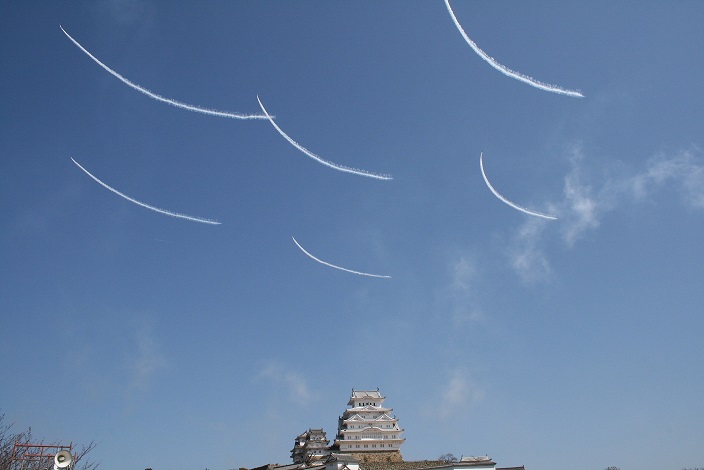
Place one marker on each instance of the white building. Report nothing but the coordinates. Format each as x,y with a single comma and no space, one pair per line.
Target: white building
310,446
367,426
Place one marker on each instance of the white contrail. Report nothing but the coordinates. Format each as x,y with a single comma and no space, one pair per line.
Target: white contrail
515,206
178,104
155,209
507,71
337,267
319,159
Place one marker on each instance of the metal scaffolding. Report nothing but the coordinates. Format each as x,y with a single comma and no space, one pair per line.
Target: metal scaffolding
36,456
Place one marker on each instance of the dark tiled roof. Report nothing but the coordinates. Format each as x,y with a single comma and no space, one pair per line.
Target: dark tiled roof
416,465
421,464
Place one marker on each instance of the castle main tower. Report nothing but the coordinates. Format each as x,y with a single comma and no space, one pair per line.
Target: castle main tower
368,428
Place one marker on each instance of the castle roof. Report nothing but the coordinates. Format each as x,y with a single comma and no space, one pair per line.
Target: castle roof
360,394
357,417
368,408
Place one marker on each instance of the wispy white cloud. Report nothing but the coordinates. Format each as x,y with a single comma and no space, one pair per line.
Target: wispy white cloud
463,292
457,294
115,360
127,12
458,394
526,253
584,205
579,211
581,208
685,170
147,361
586,200
464,275
294,384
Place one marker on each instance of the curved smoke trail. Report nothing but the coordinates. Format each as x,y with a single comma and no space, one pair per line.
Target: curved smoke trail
319,159
515,206
507,71
178,104
337,267
155,209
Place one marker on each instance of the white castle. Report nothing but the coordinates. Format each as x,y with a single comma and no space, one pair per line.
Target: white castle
368,438
310,446
367,427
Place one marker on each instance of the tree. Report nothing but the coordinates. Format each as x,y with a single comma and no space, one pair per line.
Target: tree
8,438
447,458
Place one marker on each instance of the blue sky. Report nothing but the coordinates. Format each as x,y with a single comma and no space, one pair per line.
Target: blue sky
573,343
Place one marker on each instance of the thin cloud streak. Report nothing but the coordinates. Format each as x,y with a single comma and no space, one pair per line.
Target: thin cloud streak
317,158
151,94
337,267
503,199
507,71
147,206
